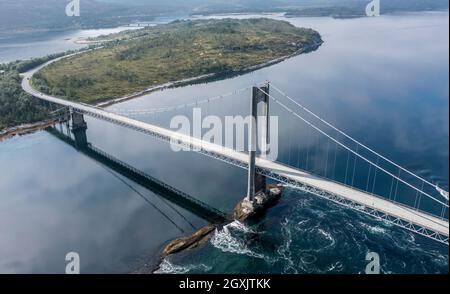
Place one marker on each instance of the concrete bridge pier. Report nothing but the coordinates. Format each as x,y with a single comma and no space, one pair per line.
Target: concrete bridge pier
257,182
78,128
259,195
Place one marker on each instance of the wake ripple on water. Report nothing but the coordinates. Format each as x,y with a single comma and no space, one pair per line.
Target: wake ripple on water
241,227
373,229
327,236
166,267
312,236
229,240
284,251
303,246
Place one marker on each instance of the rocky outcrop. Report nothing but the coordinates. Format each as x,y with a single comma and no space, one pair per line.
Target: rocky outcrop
263,200
242,212
26,129
189,242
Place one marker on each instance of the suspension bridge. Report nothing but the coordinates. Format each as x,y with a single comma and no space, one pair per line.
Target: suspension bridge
371,184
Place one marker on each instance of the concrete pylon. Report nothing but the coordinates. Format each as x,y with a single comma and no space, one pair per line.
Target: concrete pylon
257,182
79,127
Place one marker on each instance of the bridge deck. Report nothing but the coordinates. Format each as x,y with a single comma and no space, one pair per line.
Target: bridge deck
361,198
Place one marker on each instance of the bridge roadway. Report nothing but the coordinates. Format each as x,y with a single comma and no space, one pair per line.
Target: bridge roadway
397,214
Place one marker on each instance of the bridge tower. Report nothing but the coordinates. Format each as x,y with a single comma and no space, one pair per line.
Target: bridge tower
79,127
259,129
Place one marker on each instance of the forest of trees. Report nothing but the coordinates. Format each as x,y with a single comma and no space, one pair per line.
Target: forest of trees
17,107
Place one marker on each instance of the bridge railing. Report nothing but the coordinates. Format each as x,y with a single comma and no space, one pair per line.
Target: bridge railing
325,150
333,154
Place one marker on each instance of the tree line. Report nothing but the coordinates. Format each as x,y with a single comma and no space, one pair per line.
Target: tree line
16,106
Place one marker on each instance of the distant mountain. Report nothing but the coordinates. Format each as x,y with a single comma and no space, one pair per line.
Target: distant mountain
357,8
19,15
342,8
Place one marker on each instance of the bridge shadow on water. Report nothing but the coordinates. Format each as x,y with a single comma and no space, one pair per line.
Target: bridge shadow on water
161,189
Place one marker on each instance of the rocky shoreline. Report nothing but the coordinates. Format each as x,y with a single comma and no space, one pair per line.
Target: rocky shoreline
26,129
168,85
243,211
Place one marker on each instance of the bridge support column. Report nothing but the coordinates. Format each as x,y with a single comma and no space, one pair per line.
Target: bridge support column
257,182
79,127
259,195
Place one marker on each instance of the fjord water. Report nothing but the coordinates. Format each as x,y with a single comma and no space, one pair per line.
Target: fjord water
27,45
31,44
383,80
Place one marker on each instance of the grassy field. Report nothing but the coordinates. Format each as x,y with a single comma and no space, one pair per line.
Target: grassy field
171,52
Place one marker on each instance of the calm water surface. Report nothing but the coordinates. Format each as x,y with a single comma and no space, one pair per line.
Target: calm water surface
36,44
28,45
383,80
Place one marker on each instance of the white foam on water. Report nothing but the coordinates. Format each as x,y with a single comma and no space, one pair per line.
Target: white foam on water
241,227
226,242
302,222
284,251
373,229
319,213
335,267
166,267
411,238
308,259
439,258
327,236
303,202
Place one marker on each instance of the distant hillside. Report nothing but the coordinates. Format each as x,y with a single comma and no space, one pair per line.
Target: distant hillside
341,8
357,8
22,15
19,15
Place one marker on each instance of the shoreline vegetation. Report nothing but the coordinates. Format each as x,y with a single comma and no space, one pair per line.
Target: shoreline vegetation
20,112
16,106
182,52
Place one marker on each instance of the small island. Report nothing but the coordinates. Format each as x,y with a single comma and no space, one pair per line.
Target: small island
130,63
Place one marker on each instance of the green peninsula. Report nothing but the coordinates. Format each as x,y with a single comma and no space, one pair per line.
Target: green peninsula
134,61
